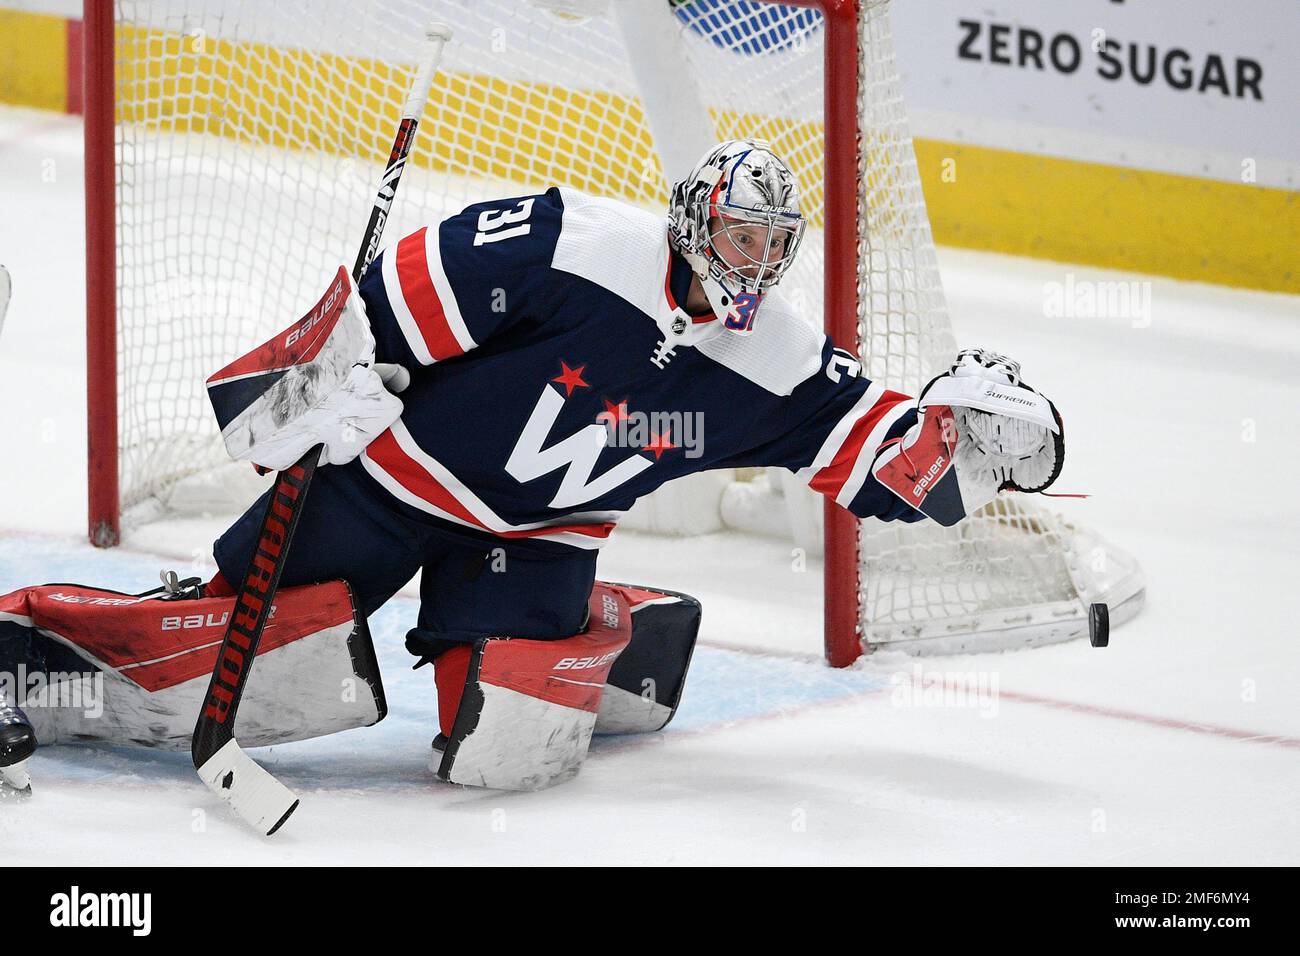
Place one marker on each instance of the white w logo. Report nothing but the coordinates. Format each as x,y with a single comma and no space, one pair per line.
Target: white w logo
576,454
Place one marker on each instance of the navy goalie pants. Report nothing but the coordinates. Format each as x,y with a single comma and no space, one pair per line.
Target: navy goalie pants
470,586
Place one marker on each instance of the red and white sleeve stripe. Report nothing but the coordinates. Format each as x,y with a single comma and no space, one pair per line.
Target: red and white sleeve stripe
422,300
844,460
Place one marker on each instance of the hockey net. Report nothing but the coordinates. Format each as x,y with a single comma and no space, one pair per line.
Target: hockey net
246,139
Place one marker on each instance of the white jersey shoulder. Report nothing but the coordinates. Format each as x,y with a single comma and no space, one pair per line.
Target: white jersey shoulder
783,350
616,246
625,249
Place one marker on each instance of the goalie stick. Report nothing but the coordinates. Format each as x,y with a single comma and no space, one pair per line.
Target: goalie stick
252,792
6,292
17,742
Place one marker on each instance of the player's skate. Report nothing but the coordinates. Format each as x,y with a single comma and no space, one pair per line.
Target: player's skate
17,743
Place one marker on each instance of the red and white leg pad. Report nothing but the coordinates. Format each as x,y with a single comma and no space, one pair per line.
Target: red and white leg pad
646,682
518,714
90,664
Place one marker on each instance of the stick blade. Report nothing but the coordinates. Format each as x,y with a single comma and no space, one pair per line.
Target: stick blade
263,802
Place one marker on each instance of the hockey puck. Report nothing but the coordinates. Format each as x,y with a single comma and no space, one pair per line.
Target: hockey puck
1099,625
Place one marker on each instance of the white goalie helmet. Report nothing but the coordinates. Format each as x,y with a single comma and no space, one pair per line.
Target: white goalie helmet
737,185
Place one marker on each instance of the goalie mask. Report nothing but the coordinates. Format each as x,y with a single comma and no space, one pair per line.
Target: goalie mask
735,218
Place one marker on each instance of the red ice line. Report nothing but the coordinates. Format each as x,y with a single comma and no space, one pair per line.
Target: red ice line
1096,710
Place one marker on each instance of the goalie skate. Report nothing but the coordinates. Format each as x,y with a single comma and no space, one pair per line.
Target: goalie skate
17,743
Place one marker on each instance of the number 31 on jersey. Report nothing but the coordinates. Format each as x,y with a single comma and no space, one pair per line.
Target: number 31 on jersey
495,225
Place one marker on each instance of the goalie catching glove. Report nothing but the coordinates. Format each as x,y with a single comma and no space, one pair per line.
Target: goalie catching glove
981,431
316,383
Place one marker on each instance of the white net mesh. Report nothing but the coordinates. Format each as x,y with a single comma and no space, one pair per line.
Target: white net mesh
1015,573
250,136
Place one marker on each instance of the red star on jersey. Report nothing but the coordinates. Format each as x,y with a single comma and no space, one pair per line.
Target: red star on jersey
613,414
659,443
570,378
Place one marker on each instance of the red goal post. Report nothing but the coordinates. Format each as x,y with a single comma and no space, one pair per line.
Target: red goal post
104,501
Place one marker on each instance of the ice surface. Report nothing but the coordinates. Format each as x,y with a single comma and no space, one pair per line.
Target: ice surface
1178,744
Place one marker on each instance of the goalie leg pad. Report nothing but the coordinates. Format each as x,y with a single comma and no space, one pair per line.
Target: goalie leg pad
645,684
89,664
518,714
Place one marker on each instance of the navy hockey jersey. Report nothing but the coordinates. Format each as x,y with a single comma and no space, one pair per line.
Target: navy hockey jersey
556,377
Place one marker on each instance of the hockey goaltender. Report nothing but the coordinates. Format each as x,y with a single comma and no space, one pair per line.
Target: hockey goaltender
520,334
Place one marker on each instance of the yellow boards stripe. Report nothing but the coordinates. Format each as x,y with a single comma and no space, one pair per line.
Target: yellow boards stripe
33,60
477,125
1210,231
537,134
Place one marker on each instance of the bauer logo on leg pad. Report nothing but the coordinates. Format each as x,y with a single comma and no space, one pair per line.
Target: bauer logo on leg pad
526,709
